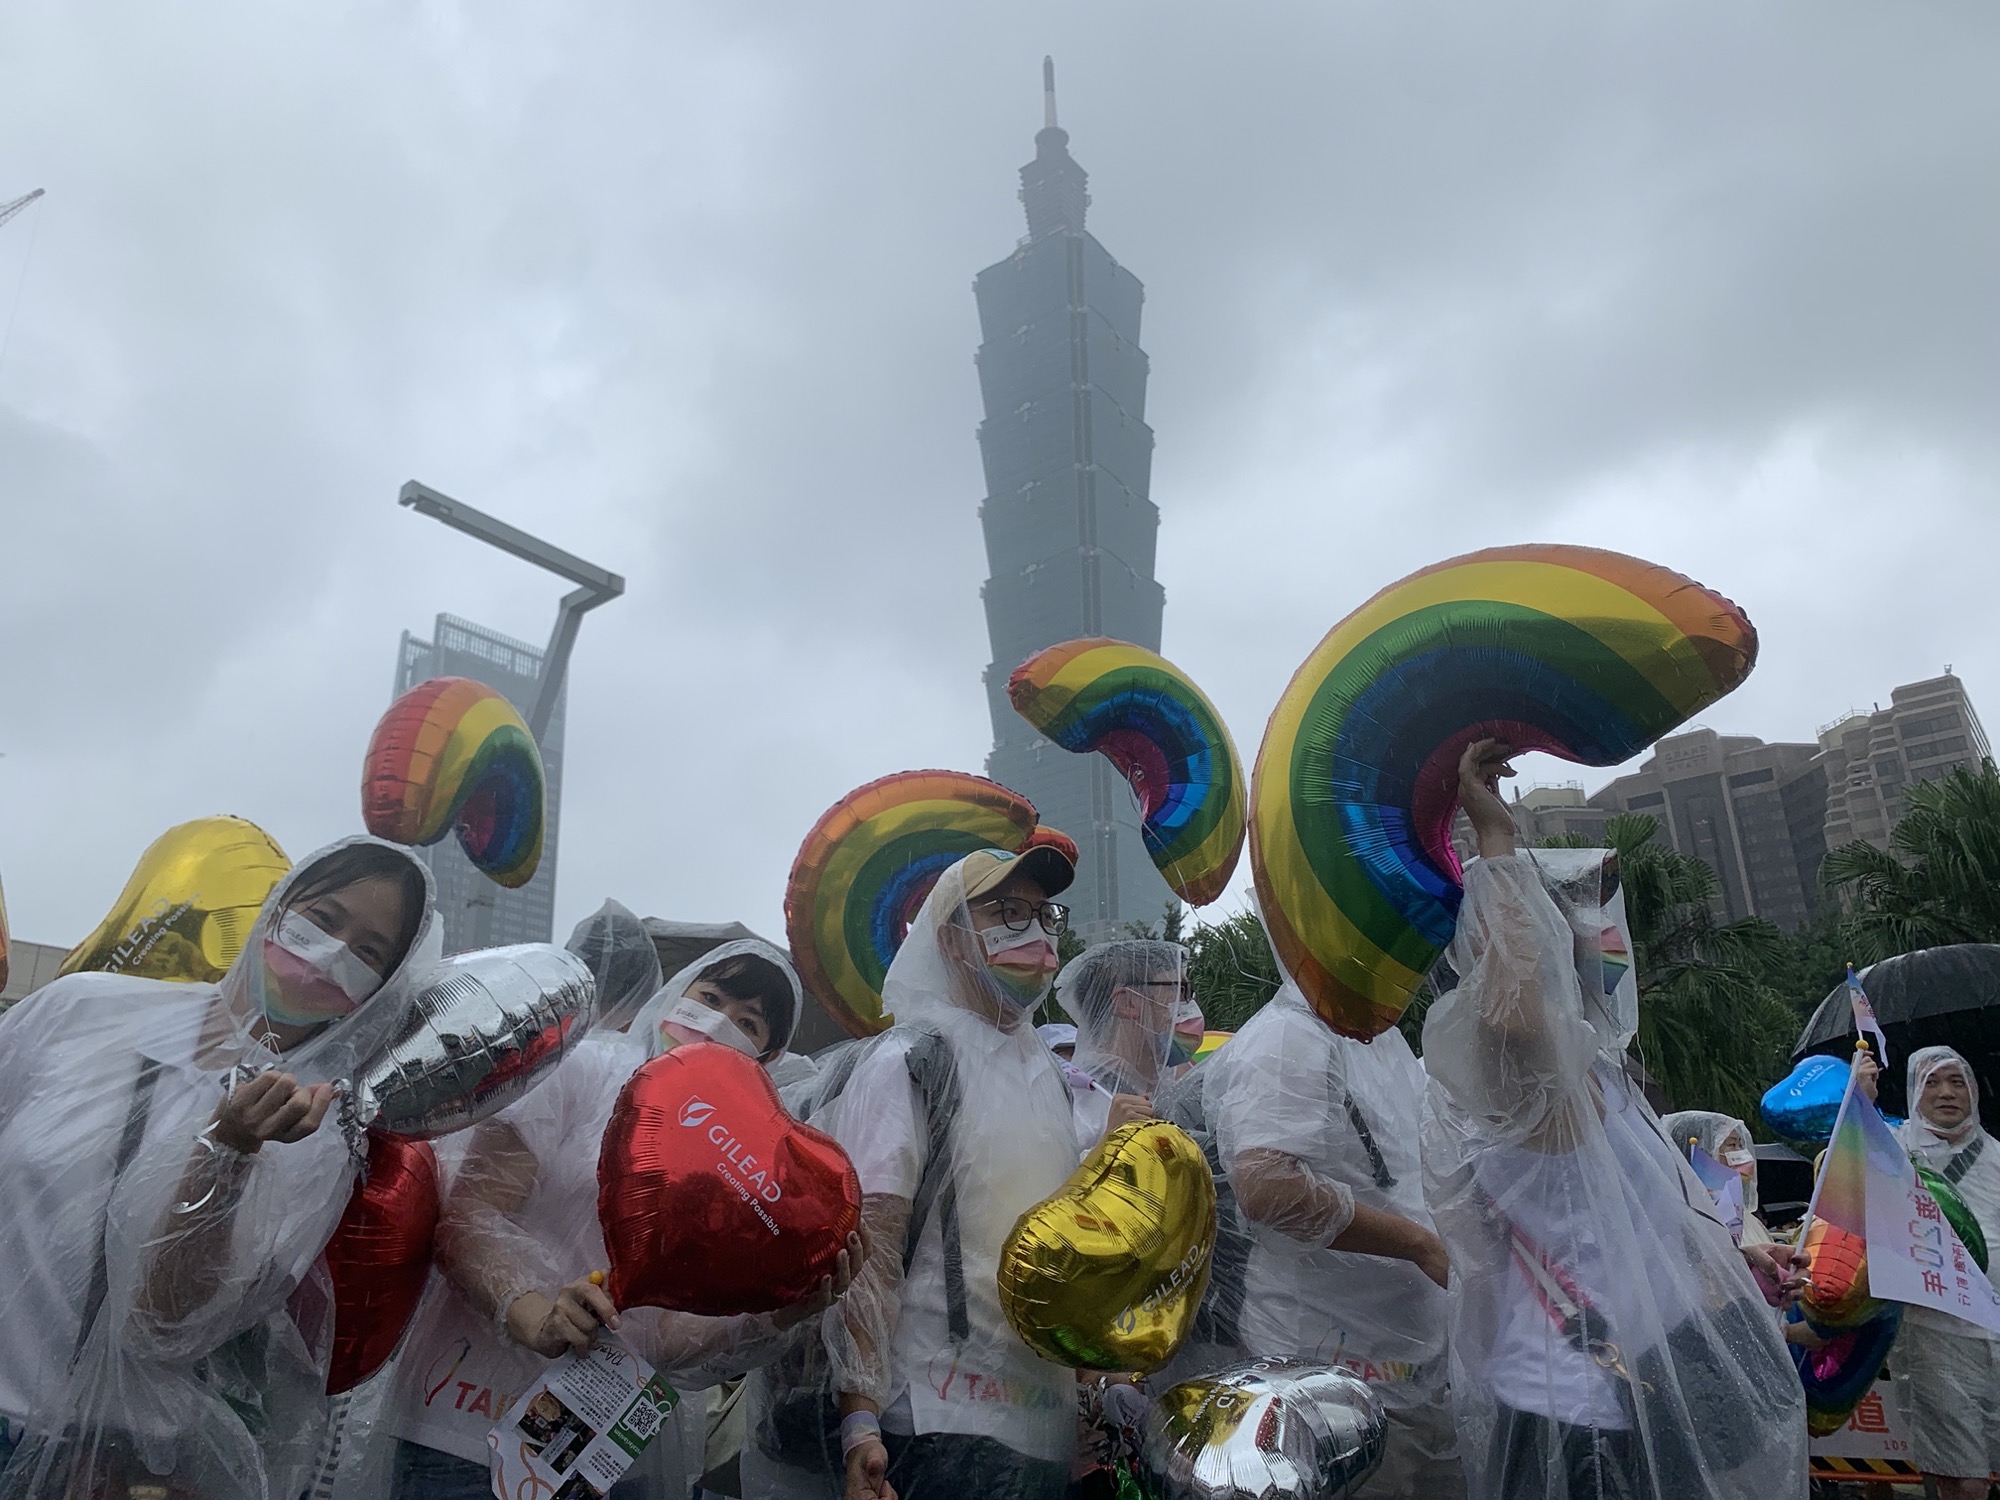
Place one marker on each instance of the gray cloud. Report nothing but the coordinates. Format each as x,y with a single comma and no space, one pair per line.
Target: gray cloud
689,294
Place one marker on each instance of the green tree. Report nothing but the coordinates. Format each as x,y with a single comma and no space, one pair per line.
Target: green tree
1939,879
1232,969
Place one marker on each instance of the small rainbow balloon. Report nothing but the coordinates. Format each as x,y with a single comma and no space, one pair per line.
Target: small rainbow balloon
452,755
863,873
1141,713
1587,655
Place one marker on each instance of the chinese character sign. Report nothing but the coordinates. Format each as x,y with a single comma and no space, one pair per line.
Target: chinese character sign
1913,1255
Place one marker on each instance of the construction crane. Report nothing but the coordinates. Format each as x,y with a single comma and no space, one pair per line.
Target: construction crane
8,210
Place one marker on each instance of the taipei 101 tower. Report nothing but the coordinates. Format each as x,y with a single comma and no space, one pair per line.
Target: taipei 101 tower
1069,531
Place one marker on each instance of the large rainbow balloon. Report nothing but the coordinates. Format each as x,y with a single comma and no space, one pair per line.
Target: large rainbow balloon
866,867
1141,713
452,755
1587,655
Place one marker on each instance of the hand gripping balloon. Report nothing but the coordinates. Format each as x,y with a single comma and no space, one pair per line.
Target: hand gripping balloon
1109,1273
1141,713
712,1198
866,867
451,755
1587,655
189,905
1274,1429
380,1257
487,1027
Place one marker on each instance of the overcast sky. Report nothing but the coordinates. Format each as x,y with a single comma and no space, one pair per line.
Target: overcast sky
686,289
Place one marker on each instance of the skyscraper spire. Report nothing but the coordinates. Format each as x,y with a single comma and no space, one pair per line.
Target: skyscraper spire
1053,186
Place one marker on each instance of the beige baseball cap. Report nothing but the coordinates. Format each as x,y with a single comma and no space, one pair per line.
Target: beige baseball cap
1048,866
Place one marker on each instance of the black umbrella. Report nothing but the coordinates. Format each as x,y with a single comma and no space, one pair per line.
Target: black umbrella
1934,997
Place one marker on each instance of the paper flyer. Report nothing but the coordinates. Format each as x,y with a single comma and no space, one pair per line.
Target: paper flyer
574,1433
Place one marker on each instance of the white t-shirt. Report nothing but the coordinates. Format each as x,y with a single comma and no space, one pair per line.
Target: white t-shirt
1015,1144
1559,1203
1283,1084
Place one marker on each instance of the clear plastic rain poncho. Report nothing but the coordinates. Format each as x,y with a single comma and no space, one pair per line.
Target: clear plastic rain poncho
521,1217
623,961
930,1347
1965,1156
1123,996
1309,1124
168,1323
1728,1140
1607,1336
674,1005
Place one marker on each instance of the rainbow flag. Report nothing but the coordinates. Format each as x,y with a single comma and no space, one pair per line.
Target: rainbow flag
1865,1023
1724,1184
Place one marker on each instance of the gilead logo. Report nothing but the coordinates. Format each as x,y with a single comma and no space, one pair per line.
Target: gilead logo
738,1165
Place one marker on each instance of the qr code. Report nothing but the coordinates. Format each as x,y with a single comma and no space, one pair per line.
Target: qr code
643,1419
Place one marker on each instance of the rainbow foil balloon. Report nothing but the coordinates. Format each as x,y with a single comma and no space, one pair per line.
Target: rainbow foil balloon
1141,713
452,755
1584,654
863,873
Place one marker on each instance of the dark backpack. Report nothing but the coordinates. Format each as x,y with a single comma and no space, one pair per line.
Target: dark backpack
1180,1103
801,1426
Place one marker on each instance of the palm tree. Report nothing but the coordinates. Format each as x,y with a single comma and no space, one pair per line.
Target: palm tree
1939,879
1712,1031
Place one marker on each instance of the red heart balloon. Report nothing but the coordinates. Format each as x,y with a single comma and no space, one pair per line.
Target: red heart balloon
712,1198
380,1257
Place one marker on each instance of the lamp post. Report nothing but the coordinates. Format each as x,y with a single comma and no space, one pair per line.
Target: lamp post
597,585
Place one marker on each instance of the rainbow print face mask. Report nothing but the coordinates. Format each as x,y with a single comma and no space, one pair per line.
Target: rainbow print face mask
1021,965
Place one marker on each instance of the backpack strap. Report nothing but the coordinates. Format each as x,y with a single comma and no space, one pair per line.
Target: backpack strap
136,1115
934,1071
1963,1162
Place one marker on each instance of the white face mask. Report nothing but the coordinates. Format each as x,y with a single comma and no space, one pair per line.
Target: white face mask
310,976
691,1021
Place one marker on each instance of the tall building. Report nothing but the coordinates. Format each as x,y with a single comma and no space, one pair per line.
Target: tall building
1741,806
474,911
1764,816
29,967
1928,730
1069,529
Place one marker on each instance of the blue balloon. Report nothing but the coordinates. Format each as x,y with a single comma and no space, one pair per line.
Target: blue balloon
1803,1104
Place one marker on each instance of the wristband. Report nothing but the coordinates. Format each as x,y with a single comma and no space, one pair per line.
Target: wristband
856,1428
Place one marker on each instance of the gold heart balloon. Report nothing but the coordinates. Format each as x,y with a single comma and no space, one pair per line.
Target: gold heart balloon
1108,1274
189,906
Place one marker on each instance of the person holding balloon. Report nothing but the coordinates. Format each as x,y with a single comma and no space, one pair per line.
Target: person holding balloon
172,1177
1123,996
520,1243
957,1121
1318,1135
1607,1336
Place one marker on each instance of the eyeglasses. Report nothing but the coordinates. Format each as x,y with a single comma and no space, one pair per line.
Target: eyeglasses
1016,913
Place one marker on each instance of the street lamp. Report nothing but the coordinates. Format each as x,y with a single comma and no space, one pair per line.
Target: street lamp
597,586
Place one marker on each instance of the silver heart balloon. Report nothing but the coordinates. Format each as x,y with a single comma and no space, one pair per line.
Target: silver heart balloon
1273,1429
486,1028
